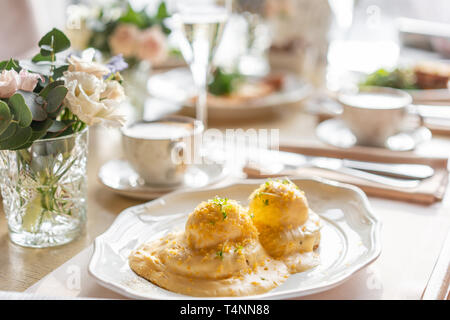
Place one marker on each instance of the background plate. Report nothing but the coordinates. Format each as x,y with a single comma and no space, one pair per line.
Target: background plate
177,86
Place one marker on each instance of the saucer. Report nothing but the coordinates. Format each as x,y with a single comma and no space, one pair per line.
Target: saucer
336,133
118,176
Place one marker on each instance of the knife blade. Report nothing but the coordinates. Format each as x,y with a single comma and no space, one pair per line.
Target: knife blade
275,161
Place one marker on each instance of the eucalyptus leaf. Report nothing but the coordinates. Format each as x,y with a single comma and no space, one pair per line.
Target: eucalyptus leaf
54,41
25,146
36,105
55,99
39,57
9,132
60,126
10,64
20,138
44,92
59,71
20,110
5,116
40,128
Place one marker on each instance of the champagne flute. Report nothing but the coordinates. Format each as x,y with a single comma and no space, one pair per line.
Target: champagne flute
200,24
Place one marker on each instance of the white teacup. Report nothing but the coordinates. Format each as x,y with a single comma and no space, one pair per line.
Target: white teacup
374,114
157,150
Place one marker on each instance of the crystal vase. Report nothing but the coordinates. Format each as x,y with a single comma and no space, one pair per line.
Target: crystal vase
44,190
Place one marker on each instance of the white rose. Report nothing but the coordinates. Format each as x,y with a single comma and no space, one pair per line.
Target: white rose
77,64
111,97
114,91
92,100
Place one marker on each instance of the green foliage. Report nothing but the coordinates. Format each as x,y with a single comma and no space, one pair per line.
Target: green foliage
21,112
142,20
9,132
27,116
9,65
138,18
53,42
58,71
5,116
39,57
45,62
224,83
398,78
36,105
161,15
55,99
40,128
20,138
44,92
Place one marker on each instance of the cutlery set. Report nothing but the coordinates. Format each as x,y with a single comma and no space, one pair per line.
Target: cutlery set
397,175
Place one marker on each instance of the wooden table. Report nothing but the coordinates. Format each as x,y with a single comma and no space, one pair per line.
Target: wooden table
412,235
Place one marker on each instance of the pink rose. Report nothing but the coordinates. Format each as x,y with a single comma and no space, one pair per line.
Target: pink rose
9,83
28,81
124,40
274,8
152,45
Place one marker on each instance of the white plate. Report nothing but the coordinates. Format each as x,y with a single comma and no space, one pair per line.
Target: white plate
350,238
119,177
177,86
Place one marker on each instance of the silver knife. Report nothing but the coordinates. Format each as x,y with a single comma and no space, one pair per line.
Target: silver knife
403,171
275,161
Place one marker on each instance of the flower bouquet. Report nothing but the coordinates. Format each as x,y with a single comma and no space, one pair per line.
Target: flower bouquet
117,28
46,105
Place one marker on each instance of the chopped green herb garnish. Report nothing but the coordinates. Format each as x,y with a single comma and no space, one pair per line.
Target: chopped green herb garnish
222,203
238,248
266,202
219,254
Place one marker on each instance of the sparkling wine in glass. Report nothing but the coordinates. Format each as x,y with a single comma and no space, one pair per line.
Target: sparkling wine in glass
200,23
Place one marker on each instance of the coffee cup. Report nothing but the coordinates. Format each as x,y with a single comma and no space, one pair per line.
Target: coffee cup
374,114
161,151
